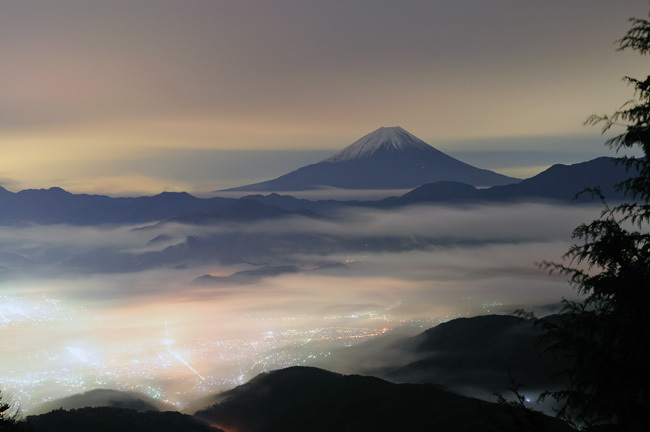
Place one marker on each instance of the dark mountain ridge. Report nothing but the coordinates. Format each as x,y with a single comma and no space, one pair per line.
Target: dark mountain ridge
240,210
105,397
311,399
479,352
559,183
57,206
109,419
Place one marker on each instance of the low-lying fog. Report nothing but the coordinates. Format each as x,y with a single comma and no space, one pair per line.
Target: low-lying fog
118,307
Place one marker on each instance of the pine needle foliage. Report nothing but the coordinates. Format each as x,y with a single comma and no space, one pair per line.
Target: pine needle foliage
606,334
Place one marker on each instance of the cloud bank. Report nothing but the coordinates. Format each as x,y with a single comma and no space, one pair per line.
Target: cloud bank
107,307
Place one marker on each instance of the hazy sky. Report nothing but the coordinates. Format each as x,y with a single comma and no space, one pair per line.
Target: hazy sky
129,96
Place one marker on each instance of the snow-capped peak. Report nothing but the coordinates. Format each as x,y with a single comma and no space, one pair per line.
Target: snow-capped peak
393,139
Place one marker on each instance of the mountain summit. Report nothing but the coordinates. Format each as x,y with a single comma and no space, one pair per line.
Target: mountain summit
387,158
384,139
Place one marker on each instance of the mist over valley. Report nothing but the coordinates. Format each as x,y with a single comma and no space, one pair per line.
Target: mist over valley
207,299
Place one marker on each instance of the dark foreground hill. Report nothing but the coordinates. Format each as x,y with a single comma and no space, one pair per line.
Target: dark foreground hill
480,353
106,419
105,397
311,399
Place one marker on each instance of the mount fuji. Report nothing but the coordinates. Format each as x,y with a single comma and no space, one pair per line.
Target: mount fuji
387,158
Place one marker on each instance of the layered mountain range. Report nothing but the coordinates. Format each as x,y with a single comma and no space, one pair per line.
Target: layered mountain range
559,183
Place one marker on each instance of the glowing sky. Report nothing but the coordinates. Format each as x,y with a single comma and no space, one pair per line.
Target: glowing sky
130,96
66,329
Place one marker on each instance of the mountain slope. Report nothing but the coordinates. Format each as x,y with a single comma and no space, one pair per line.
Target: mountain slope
565,181
311,399
478,352
387,158
106,398
57,206
107,419
241,210
557,183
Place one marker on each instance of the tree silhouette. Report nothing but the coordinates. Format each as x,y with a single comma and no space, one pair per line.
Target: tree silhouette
607,333
8,420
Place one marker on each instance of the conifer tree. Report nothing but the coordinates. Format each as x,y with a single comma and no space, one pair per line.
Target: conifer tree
606,333
8,421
